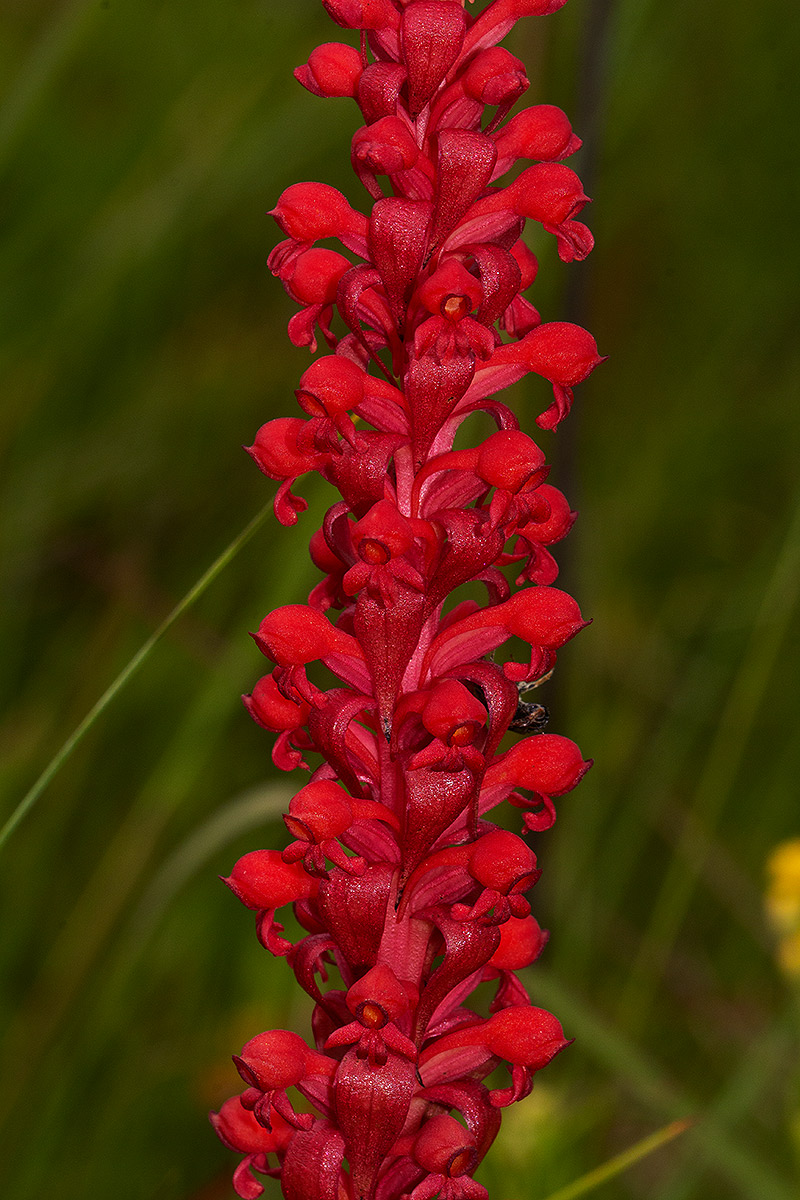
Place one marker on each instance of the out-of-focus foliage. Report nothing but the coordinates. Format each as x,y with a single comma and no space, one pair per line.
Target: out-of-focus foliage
142,341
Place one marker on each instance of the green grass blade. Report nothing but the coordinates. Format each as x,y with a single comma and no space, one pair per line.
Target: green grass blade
621,1162
734,727
129,670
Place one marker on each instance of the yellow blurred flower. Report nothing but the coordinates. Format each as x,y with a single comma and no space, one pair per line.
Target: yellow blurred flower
782,903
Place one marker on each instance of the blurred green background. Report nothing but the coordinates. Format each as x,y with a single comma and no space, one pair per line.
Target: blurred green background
142,341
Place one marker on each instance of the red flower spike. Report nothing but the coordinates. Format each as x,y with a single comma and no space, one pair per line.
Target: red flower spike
407,897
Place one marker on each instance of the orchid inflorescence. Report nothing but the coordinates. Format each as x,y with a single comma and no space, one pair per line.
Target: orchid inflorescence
398,881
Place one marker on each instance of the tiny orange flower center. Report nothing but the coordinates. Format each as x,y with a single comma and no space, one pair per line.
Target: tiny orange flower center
460,1163
372,1015
373,552
455,307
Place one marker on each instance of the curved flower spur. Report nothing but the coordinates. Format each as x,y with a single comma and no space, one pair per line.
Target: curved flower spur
408,896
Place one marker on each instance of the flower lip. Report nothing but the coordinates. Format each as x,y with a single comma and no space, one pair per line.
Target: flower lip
298,829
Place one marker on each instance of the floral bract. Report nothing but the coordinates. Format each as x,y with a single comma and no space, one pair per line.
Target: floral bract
407,895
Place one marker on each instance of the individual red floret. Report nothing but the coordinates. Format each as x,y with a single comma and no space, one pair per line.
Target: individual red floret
544,617
448,1152
264,883
332,70
524,1036
238,1129
382,539
378,1001
546,765
318,815
309,211
280,714
295,635
387,147
542,132
506,868
285,449
521,942
451,291
273,1061
560,352
363,14
272,710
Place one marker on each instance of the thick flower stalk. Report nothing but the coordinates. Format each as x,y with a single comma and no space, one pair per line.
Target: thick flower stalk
407,897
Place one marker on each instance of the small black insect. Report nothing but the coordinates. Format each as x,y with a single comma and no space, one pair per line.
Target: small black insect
529,716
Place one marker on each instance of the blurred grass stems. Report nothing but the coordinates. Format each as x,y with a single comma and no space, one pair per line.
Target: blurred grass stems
712,1132
733,730
109,695
65,971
